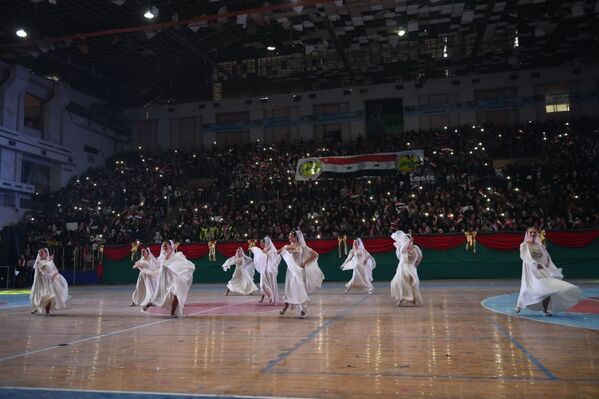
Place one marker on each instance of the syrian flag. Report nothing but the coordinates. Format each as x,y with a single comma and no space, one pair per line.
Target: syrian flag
358,165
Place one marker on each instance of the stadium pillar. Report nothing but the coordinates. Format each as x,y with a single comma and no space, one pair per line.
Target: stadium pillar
12,98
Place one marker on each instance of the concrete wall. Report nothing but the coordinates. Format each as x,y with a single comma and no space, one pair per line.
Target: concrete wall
429,104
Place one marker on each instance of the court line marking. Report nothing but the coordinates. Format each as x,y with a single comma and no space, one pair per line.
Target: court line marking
285,354
146,393
429,376
113,333
547,320
529,355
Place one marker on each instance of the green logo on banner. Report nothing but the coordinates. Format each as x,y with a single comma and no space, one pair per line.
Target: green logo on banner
407,163
310,168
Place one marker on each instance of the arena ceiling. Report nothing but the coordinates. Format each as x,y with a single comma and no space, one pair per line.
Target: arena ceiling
108,47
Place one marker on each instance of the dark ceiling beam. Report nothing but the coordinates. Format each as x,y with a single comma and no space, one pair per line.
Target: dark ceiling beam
339,47
481,32
169,24
194,49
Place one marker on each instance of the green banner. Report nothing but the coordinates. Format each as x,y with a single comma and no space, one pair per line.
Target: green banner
452,264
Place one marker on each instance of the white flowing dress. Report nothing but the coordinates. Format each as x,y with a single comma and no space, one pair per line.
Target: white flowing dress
300,282
362,266
267,264
147,282
406,285
175,279
49,287
536,285
242,281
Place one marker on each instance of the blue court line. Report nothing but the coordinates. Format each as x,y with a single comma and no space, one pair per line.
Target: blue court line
529,355
504,304
285,354
430,376
58,393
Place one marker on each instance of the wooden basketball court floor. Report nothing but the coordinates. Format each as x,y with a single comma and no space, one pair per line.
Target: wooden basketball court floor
350,345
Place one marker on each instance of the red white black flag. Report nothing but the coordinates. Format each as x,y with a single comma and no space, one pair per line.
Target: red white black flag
358,165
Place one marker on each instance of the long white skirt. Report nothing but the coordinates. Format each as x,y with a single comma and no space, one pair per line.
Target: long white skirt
314,277
269,286
47,291
241,282
144,289
406,285
360,279
563,295
169,286
295,283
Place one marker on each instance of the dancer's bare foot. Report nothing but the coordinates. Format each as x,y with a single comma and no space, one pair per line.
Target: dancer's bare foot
147,306
47,309
34,311
174,306
227,293
261,299
400,302
282,312
303,314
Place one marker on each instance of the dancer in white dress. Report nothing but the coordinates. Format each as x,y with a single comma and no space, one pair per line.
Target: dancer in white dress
542,287
303,274
50,290
174,281
242,281
362,263
267,263
147,281
405,286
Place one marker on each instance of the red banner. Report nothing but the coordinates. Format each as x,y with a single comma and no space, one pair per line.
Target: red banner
572,239
438,242
501,241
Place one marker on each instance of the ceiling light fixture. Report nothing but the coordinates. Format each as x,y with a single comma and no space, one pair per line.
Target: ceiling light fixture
401,32
149,14
271,48
21,33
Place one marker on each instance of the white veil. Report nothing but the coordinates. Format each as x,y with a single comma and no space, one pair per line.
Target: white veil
371,262
300,237
37,259
401,239
268,244
536,240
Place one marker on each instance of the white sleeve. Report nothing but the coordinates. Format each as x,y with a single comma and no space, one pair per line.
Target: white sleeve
348,264
230,262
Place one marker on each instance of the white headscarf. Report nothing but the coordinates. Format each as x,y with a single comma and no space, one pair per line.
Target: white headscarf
401,239
37,259
300,237
537,240
268,244
171,244
151,256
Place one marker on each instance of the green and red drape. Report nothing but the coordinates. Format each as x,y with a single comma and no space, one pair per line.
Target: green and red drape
444,257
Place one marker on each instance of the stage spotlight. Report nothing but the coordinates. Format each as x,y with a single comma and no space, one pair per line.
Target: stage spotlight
401,32
21,33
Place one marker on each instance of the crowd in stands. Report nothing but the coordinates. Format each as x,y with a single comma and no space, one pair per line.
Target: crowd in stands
483,178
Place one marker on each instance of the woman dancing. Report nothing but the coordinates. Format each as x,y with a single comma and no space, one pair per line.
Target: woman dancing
362,263
405,284
174,281
242,281
50,290
303,274
267,263
147,281
542,287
